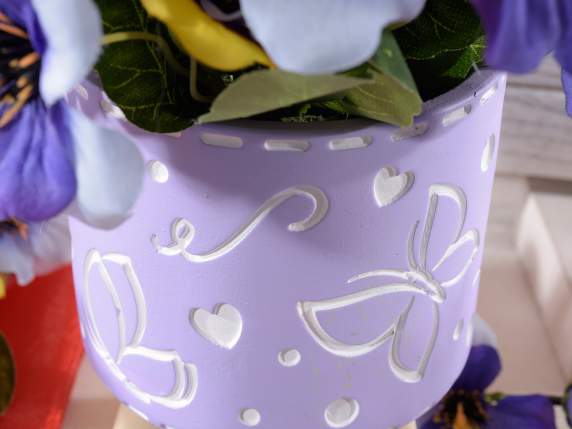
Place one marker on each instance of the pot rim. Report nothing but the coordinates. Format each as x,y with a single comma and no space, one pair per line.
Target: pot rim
476,86
482,84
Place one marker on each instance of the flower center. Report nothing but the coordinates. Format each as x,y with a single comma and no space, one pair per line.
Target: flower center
462,409
14,226
19,69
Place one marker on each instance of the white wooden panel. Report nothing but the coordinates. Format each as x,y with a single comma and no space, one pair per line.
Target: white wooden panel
555,202
507,304
545,250
536,135
509,196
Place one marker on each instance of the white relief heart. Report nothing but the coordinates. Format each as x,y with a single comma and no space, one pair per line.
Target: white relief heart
388,186
222,327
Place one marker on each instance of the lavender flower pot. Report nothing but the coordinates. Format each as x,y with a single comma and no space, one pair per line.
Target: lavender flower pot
294,276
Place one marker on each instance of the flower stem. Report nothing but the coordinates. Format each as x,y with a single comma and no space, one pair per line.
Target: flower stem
125,36
194,87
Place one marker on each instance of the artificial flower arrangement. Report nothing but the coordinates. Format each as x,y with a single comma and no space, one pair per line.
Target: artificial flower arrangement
168,65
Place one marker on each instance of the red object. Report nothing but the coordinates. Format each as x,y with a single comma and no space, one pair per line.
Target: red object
41,325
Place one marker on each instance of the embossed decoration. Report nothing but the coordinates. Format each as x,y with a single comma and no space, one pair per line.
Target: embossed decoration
222,327
158,171
342,413
275,145
488,154
185,374
458,330
349,143
183,232
222,140
289,358
250,417
7,375
417,279
389,187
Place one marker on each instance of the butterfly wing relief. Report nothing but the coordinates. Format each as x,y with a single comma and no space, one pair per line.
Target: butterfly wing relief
309,311
453,260
185,376
420,317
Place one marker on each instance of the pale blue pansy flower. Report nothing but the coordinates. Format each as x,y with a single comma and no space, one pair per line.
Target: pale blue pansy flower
37,249
323,36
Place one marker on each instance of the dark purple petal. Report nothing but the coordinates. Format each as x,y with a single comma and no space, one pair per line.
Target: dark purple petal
564,49
426,420
567,84
17,10
482,367
519,33
568,404
22,13
428,424
522,412
37,179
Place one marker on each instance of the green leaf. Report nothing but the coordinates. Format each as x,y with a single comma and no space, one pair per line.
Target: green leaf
264,91
390,61
7,375
391,97
138,78
444,25
443,45
447,70
383,100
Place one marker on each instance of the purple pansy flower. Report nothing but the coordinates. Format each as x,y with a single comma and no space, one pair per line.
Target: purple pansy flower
521,33
567,404
34,249
467,407
51,155
567,84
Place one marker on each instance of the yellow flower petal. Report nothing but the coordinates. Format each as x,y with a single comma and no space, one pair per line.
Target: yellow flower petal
204,38
3,285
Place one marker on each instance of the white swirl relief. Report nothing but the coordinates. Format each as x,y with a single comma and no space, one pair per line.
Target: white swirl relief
185,374
417,279
183,231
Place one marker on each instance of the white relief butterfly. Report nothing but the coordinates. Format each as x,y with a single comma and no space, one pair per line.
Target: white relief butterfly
185,374
418,279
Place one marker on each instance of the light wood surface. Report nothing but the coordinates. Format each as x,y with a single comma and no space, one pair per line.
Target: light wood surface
545,248
127,419
92,405
536,133
547,76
